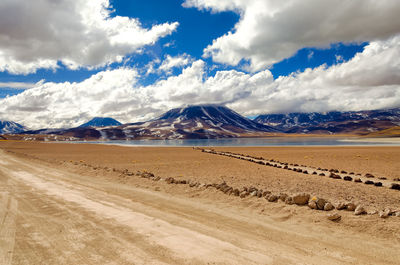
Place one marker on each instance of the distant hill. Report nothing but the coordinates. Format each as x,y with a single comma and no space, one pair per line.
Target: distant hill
100,122
391,132
359,122
8,127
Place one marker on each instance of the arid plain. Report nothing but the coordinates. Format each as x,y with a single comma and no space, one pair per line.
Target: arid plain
103,204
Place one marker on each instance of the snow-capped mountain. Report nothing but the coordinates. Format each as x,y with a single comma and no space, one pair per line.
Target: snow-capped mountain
8,127
100,122
333,122
204,121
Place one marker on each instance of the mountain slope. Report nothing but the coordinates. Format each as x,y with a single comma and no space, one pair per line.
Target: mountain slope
100,122
360,122
7,127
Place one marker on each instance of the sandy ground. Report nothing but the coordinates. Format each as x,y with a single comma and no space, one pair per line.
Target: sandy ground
69,204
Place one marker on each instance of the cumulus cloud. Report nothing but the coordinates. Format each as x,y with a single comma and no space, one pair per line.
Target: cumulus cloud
370,80
78,33
168,64
271,30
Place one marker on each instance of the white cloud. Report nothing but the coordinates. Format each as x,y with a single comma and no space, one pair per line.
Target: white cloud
171,62
370,80
271,30
168,64
79,33
17,85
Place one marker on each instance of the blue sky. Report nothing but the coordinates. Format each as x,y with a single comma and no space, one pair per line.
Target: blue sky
197,29
221,46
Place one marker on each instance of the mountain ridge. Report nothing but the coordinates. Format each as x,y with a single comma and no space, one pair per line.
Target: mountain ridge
361,122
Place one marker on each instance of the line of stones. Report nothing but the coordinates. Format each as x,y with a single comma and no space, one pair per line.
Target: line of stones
333,173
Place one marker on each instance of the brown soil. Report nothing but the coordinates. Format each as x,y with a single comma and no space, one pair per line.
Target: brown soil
52,183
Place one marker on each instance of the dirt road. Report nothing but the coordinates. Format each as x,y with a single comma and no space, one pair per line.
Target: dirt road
52,216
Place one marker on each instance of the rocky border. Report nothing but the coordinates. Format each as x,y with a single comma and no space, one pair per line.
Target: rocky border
309,170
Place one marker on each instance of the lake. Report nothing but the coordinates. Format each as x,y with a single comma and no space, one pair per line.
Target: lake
273,141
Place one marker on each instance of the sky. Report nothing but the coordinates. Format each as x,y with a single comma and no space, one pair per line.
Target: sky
63,62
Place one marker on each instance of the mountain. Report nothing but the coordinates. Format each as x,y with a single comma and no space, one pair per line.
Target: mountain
192,122
197,122
100,122
8,127
360,122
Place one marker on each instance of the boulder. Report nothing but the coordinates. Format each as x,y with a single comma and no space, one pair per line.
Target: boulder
301,198
312,205
289,200
265,193
357,180
360,210
320,203
395,186
341,206
384,214
272,198
335,217
328,207
350,207
348,178
282,196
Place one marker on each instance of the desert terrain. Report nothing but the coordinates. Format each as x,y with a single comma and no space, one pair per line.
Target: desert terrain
96,204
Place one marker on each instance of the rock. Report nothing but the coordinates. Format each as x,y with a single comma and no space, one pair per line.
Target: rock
350,207
335,217
359,210
384,214
348,178
289,200
395,186
283,196
341,206
334,176
320,203
328,207
322,174
357,180
244,194
397,214
369,182
272,198
265,193
259,193
372,212
301,198
378,184
312,205
368,175
236,192
253,193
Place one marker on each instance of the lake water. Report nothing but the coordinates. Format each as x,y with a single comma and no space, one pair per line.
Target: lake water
273,141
